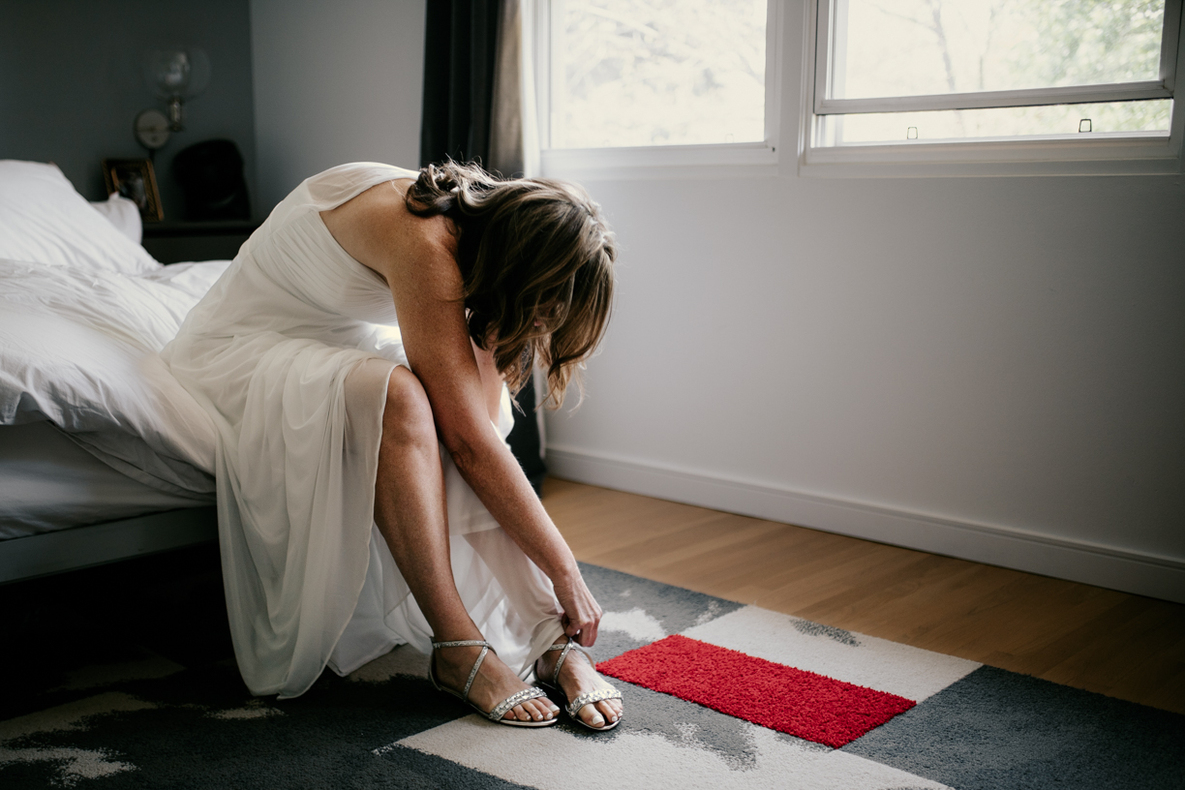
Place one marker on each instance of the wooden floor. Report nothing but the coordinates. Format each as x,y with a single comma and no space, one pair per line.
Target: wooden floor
1122,645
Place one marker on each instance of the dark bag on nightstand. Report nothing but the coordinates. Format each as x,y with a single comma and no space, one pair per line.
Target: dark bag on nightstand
210,174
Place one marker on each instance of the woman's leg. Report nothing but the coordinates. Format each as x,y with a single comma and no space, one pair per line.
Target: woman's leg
410,513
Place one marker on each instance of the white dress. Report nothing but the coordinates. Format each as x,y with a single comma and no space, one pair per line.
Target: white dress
269,354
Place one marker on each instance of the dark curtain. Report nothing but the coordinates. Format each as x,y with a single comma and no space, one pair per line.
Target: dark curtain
460,52
460,47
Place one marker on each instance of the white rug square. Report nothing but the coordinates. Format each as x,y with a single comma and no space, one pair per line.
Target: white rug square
648,761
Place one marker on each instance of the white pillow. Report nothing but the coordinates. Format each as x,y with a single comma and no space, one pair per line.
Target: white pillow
44,220
124,214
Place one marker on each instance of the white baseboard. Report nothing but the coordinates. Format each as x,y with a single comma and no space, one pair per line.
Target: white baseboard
1081,561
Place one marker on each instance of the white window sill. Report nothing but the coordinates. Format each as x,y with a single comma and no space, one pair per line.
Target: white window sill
734,160
1126,154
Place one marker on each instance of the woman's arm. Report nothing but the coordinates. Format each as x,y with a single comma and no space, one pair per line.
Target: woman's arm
437,343
417,258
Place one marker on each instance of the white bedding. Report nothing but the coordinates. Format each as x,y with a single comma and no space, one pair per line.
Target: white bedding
43,219
83,312
79,348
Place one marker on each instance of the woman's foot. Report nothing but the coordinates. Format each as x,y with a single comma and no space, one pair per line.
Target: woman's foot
494,682
578,676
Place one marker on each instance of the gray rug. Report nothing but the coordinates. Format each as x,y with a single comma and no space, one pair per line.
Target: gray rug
123,678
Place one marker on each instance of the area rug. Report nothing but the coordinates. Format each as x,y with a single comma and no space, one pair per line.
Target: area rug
136,717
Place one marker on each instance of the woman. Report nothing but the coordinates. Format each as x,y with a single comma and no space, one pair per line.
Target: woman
345,526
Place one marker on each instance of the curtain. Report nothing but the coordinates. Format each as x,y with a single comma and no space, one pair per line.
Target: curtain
476,97
514,136
460,47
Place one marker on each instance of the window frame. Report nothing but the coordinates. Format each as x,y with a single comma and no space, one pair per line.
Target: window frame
1100,154
759,158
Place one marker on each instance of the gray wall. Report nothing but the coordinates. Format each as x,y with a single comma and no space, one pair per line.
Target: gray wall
335,82
71,86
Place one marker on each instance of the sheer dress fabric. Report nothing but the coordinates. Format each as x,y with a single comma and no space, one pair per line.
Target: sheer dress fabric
290,353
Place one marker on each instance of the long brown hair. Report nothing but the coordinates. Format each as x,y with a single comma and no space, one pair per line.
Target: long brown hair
530,251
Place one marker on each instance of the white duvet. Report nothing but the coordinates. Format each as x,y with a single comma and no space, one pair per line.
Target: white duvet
83,312
79,348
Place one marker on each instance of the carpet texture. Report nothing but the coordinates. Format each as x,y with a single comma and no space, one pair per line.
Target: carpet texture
804,704
138,689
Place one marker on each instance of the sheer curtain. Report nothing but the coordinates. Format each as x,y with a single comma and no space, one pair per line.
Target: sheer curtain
514,132
479,105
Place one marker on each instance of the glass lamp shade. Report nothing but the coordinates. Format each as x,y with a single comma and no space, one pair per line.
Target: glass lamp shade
176,75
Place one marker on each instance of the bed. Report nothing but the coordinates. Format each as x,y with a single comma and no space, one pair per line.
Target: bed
103,456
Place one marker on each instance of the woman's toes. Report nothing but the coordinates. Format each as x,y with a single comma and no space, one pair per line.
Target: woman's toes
528,712
595,719
531,711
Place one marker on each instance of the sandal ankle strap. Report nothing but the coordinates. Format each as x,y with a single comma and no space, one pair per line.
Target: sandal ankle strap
485,648
566,647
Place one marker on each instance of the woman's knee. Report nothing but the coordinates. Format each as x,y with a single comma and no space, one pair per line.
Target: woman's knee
407,415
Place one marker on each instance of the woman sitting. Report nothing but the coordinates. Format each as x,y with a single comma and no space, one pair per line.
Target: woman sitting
366,494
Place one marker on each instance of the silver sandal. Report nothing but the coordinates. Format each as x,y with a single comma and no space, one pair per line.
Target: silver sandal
588,697
500,709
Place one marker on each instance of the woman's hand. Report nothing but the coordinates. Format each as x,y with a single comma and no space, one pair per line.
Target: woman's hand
582,615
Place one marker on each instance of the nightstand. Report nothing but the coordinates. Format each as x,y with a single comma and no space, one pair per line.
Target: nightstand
172,242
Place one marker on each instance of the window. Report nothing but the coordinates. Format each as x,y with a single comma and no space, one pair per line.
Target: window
926,80
645,82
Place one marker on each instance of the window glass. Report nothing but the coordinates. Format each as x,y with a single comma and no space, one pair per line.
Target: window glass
1127,117
920,47
657,72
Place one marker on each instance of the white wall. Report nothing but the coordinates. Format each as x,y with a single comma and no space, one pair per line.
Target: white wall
992,368
334,82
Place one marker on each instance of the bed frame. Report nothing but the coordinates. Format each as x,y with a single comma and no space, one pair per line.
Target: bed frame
98,544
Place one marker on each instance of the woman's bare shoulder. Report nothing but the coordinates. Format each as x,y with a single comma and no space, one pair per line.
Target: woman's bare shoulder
377,229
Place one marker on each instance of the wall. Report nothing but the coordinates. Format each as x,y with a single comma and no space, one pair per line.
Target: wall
71,85
984,367
991,368
334,82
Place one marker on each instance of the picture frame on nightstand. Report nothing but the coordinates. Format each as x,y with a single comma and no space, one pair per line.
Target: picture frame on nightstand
135,180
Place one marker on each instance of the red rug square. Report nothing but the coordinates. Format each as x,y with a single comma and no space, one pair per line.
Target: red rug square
800,703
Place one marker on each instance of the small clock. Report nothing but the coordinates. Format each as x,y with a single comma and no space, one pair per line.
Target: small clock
152,129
